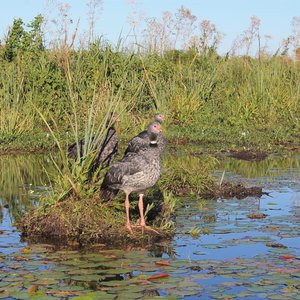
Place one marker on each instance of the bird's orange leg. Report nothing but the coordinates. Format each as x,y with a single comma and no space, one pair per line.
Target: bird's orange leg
127,206
142,218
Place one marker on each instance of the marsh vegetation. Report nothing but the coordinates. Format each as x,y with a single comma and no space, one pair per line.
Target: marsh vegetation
61,92
248,97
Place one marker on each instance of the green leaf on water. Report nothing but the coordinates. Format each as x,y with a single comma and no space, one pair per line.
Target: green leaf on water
87,265
189,284
296,274
180,263
223,296
3,284
40,295
183,293
117,271
113,283
71,288
164,297
130,295
263,288
20,295
134,288
50,274
202,276
4,295
102,295
279,297
86,297
95,296
47,281
261,239
87,278
280,250
214,246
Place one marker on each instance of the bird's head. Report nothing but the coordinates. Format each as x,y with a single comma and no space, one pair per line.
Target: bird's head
159,118
154,129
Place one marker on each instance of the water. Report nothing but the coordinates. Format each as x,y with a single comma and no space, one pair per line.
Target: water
229,255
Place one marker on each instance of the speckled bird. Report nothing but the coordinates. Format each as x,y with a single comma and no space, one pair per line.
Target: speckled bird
136,172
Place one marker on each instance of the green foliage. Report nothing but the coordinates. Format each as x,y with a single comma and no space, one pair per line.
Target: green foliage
206,97
19,40
185,174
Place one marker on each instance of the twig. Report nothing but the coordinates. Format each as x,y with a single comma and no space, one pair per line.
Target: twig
77,195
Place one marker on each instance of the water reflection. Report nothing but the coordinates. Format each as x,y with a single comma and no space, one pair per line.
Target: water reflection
274,165
22,179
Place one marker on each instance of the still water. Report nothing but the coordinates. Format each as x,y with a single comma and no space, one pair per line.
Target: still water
218,252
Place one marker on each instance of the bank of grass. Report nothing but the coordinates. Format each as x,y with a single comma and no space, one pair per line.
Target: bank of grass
207,98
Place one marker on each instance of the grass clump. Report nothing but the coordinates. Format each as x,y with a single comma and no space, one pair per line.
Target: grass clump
89,220
82,221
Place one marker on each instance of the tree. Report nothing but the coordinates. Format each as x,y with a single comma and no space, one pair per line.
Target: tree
35,35
20,40
14,40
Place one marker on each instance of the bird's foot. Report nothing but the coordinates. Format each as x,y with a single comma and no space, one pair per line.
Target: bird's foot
149,228
129,228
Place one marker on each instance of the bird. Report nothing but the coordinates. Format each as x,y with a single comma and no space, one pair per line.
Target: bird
136,172
143,137
109,147
151,134
107,150
159,118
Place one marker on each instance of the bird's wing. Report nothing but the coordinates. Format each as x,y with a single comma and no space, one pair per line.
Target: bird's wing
73,149
109,149
137,142
129,165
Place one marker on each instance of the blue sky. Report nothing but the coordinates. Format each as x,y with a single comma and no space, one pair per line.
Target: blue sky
231,17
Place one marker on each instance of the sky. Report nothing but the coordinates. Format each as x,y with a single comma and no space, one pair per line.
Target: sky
231,17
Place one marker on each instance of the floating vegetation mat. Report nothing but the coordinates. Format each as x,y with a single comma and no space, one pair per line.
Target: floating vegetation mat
87,221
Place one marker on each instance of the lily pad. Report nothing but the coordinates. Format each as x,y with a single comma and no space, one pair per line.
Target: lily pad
87,278
95,296
263,289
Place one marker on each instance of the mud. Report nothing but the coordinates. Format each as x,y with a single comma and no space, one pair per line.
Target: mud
229,190
249,155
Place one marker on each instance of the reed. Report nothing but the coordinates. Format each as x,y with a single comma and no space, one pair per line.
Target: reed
206,97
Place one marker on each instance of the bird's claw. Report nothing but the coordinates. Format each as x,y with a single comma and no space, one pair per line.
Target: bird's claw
129,228
149,228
